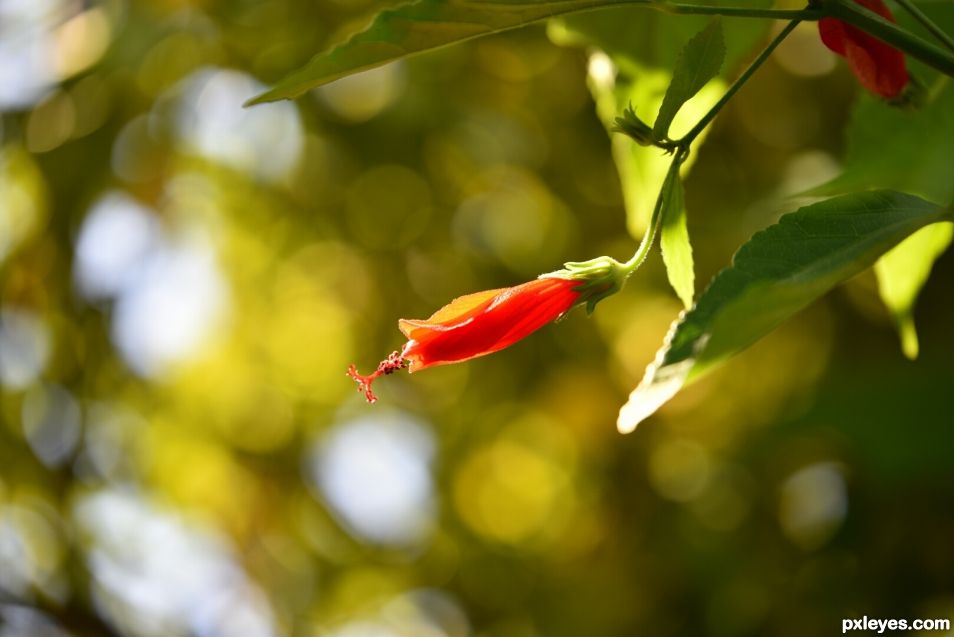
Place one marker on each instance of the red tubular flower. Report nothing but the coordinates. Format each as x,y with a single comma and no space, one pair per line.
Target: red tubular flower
486,322
479,324
879,67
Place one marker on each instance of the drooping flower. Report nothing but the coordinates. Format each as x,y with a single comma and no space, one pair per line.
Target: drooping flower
879,67
486,322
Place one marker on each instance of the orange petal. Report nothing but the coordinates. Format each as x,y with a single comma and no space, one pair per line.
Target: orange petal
458,310
463,305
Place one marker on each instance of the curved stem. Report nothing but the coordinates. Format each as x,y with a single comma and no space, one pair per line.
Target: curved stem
656,219
742,79
742,12
927,23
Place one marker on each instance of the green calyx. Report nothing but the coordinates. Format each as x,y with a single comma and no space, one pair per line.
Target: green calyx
913,97
601,277
640,132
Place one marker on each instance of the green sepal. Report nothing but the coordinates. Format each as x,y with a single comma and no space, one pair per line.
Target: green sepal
640,132
629,124
914,97
602,276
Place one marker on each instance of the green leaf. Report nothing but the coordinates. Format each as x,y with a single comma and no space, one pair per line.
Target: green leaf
674,240
778,272
637,130
422,26
908,151
700,61
902,273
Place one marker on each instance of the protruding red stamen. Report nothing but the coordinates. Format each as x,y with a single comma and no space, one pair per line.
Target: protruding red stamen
389,365
364,383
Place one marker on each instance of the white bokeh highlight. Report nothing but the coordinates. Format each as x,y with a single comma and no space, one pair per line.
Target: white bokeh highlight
52,423
264,142
375,474
24,347
137,554
813,504
178,298
26,59
116,238
43,42
168,291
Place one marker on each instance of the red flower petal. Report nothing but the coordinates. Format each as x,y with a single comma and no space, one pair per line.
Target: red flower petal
474,325
486,322
832,34
879,67
458,310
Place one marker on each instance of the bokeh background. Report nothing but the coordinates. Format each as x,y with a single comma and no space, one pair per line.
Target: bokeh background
183,283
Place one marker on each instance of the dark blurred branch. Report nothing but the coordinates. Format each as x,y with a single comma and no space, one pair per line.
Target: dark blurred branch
809,14
927,23
74,617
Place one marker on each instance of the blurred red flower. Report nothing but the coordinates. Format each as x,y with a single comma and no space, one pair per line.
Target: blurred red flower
475,325
879,67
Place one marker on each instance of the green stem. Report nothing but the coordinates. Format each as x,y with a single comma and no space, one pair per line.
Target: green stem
742,79
742,12
927,23
856,15
656,219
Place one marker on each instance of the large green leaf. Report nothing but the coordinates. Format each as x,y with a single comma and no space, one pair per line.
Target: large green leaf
778,272
912,152
422,26
700,61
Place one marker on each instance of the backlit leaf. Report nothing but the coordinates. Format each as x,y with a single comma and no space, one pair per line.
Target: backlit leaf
674,240
700,61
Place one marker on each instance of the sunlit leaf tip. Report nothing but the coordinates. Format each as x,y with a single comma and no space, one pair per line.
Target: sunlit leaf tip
700,61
